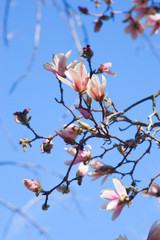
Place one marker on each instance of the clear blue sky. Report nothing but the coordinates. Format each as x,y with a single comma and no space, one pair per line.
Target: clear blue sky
77,215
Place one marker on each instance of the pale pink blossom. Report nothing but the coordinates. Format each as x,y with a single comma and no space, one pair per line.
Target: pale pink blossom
78,76
104,68
153,21
100,170
117,199
154,233
59,64
82,170
82,156
69,133
153,191
134,28
96,90
32,185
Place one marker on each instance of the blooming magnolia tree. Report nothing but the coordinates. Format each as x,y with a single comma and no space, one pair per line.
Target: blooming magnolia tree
94,117
85,125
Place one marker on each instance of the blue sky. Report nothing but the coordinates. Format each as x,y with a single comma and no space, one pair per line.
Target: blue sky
77,215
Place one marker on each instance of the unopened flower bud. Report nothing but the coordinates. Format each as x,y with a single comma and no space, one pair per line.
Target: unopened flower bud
63,189
32,185
46,146
84,125
21,117
45,207
87,52
83,10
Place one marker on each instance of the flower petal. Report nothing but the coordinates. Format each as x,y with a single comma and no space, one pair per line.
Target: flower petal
109,194
112,205
117,212
121,190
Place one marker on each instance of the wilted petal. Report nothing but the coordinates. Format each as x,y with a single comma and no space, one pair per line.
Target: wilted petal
104,206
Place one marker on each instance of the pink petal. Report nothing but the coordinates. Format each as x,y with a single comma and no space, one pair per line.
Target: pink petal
121,190
103,86
74,76
64,80
117,212
112,205
104,206
104,179
109,194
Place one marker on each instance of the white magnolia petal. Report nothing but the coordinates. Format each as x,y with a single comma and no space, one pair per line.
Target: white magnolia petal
121,190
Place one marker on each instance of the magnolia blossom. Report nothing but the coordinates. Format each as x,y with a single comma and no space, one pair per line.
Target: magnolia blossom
104,68
118,199
78,76
32,185
98,24
96,90
69,133
154,191
134,28
82,156
154,233
82,170
100,170
153,21
144,11
59,64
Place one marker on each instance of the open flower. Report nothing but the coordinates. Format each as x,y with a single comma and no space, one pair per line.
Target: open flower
134,28
59,64
153,21
118,199
96,90
82,156
32,185
100,170
69,133
104,68
154,191
78,76
154,233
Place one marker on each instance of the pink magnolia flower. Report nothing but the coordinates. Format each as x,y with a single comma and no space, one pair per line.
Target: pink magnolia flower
104,68
59,64
153,21
69,133
32,185
154,191
96,90
118,199
78,76
100,170
46,146
134,28
83,155
154,233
